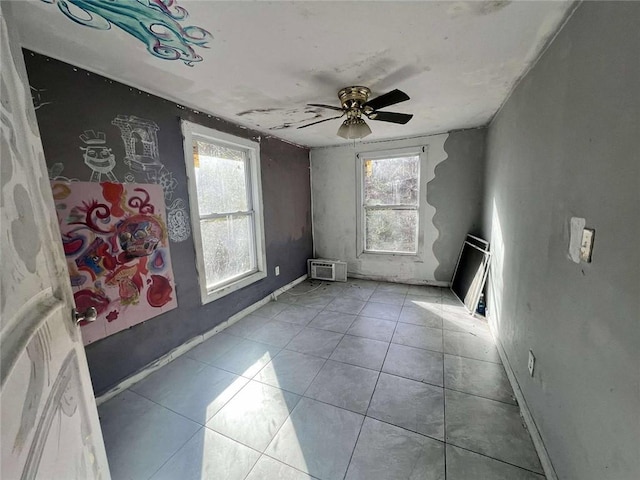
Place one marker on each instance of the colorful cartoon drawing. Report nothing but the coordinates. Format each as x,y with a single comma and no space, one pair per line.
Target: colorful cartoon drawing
116,243
97,156
156,23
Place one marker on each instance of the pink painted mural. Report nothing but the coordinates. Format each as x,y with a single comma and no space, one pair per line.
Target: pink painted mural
115,241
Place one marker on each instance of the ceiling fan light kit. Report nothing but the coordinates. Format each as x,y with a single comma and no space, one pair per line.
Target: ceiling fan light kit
355,104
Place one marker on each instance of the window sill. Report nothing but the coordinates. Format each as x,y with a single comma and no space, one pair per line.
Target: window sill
416,257
217,293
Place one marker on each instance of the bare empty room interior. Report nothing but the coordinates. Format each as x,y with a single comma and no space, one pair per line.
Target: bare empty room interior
320,240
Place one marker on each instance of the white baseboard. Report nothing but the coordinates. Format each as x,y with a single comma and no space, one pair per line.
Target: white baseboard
538,444
382,278
191,343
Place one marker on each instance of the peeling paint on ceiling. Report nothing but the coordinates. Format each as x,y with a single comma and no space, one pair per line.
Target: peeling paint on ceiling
457,61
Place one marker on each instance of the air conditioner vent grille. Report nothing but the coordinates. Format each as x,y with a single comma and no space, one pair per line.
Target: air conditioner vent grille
332,270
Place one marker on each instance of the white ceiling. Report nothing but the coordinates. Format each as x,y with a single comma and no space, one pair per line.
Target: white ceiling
456,60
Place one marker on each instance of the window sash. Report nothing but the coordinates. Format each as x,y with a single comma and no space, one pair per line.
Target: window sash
252,236
366,240
252,250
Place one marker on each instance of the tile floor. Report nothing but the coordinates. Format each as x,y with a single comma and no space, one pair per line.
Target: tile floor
363,380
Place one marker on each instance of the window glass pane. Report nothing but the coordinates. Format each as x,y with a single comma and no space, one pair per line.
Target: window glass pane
391,181
228,247
220,178
391,230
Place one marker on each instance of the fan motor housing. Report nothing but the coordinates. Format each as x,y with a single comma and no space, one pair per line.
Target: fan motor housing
353,97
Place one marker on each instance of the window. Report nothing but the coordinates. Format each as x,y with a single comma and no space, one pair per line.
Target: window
226,209
390,191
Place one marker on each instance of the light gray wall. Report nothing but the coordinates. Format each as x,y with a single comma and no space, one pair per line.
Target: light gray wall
567,144
451,196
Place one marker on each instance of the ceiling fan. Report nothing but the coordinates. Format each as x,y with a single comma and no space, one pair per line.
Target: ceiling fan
356,104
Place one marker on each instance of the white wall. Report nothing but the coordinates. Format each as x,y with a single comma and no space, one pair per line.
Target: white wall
451,196
566,144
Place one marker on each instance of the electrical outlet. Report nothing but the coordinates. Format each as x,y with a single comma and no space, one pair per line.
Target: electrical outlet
277,271
532,363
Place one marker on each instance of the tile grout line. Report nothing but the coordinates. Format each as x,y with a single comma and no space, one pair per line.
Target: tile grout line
355,445
467,449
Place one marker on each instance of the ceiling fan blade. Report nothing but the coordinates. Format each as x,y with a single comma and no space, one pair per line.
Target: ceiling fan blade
320,121
392,117
388,99
330,107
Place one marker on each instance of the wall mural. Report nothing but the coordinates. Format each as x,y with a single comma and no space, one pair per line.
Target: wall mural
115,241
156,23
142,156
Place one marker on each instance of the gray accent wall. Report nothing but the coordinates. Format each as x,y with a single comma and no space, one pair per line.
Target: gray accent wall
70,101
565,144
451,192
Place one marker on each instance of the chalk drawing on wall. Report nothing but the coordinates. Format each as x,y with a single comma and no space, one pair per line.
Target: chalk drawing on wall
178,221
115,241
56,169
97,156
167,182
37,96
142,155
156,23
140,144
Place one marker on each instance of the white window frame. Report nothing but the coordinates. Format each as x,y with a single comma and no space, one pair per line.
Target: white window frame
421,152
190,132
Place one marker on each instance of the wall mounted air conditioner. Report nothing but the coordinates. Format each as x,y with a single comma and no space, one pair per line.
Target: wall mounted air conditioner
322,269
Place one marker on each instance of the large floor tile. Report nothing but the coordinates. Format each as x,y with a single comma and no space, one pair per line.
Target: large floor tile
247,358
492,428
190,388
343,385
318,439
381,310
415,363
313,341
393,287
420,301
209,455
386,452
246,325
409,404
275,333
298,315
418,336
364,283
158,434
333,321
425,290
421,316
313,300
269,469
461,321
270,310
477,377
374,328
363,352
213,347
480,347
391,298
348,305
254,415
463,465
355,291
291,371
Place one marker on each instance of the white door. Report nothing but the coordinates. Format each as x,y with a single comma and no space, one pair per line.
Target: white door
49,422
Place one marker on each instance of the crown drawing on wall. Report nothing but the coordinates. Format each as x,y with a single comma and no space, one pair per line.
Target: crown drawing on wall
90,137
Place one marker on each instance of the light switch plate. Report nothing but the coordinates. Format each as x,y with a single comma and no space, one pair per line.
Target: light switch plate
586,244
